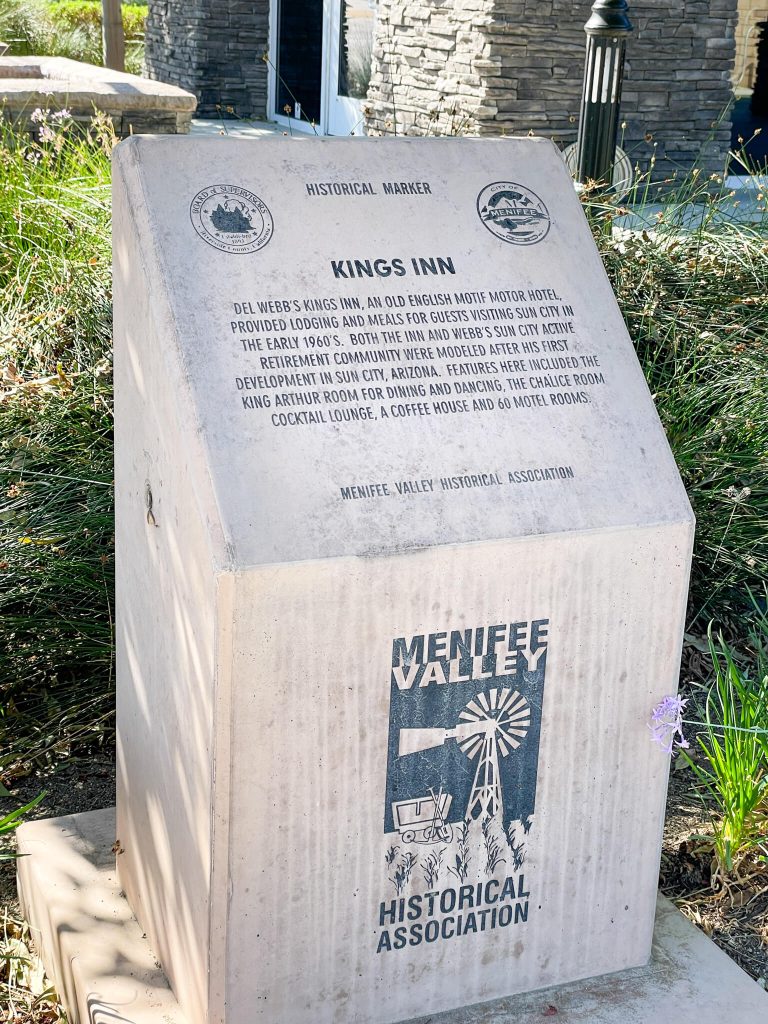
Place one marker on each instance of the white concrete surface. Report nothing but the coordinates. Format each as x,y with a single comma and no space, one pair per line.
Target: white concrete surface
107,974
623,472
236,128
402,569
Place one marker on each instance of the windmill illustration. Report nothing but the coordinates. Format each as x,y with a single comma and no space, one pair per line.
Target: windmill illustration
490,725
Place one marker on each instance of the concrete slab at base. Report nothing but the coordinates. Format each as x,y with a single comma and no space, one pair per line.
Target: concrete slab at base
101,963
105,971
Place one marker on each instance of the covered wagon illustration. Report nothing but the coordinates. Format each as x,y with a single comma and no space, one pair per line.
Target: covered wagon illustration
423,820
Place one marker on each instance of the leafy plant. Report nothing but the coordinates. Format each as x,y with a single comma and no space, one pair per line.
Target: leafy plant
86,13
732,768
82,20
10,822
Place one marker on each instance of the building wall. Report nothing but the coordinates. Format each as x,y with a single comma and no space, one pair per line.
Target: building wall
214,48
490,67
751,13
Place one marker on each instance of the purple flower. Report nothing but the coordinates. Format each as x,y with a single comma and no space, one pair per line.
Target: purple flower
38,115
61,115
46,134
666,724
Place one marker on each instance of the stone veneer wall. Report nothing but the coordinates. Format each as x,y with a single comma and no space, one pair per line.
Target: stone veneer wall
493,67
213,48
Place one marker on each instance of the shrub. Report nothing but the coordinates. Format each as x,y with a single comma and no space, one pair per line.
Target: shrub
86,14
68,28
27,26
11,820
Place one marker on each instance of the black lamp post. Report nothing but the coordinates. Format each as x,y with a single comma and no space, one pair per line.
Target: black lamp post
607,31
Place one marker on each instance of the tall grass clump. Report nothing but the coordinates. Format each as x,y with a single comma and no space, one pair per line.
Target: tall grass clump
56,519
693,289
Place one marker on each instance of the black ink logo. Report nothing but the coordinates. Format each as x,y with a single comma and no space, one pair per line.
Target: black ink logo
513,213
464,735
231,219
462,760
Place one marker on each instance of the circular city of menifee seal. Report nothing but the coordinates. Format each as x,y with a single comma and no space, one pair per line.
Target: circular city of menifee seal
513,213
231,218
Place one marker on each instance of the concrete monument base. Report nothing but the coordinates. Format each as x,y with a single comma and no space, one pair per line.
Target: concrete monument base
105,971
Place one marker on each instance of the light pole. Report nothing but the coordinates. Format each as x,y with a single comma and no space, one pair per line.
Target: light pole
607,31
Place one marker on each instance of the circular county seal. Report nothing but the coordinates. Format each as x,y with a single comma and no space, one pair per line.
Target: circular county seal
231,218
513,213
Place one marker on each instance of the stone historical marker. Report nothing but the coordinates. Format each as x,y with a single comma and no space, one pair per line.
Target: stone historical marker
403,559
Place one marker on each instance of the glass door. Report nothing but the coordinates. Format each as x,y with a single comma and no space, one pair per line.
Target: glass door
322,64
298,70
351,33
